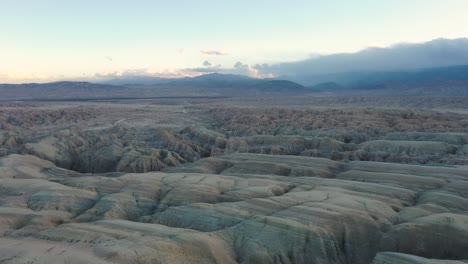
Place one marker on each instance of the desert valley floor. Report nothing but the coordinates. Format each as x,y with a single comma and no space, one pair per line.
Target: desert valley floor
222,180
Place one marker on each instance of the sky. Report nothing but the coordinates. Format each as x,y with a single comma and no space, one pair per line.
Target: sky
46,40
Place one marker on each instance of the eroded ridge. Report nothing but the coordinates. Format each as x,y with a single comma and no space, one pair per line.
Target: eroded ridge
237,208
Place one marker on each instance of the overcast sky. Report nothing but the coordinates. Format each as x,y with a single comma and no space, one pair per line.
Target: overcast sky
44,40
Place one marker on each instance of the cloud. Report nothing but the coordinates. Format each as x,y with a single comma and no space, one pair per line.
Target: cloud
238,68
251,71
436,53
208,67
146,72
238,65
404,56
214,52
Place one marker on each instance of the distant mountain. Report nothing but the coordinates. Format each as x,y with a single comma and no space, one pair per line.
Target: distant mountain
141,80
218,77
440,81
216,82
205,85
235,83
327,86
401,57
136,80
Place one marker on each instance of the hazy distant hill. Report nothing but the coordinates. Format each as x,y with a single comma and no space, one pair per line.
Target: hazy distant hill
440,81
205,85
136,80
141,80
214,81
230,83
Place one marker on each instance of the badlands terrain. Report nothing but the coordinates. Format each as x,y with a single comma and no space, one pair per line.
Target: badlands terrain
261,179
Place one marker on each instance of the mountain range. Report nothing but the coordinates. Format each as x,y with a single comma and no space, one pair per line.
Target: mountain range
440,81
434,68
205,85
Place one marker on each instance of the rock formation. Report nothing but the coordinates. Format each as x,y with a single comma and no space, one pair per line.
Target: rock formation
302,186
241,208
